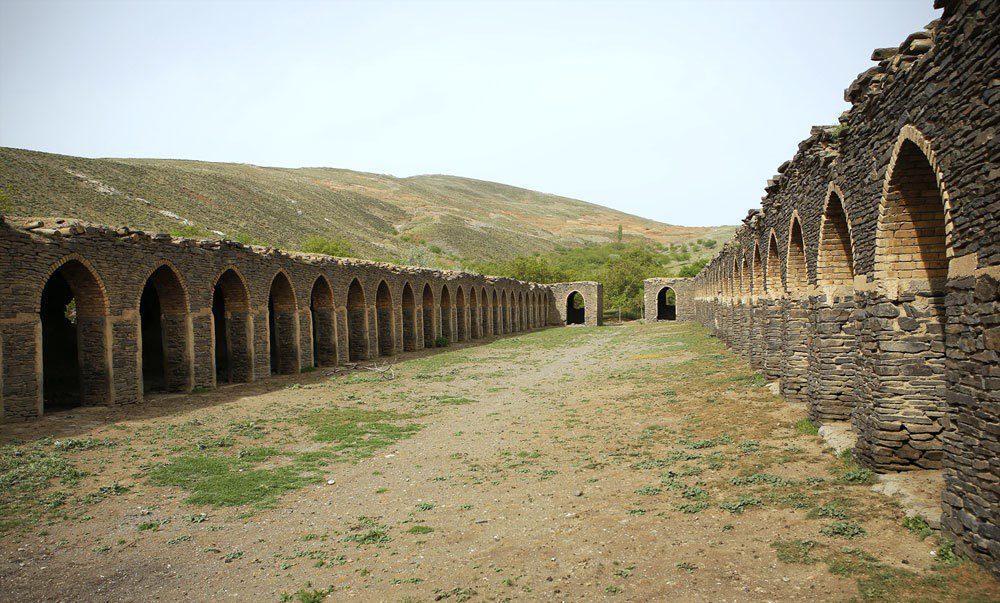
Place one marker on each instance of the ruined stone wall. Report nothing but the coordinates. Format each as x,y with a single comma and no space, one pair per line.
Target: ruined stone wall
871,269
593,298
685,308
223,311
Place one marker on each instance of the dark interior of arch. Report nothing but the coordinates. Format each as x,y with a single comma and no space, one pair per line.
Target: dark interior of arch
231,319
357,323
496,314
409,319
446,314
460,315
428,314
282,319
384,322
74,368
576,312
324,324
163,328
666,304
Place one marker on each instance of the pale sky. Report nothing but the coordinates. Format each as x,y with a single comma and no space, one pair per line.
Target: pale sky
676,111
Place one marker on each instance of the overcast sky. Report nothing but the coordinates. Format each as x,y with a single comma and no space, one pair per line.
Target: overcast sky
677,111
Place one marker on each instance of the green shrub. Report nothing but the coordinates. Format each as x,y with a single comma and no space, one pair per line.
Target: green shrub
441,342
328,246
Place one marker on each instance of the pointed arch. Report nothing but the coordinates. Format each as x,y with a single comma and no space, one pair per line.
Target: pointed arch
385,324
232,327
666,304
76,344
757,283
797,274
460,314
165,332
497,324
324,323
835,260
357,322
485,314
409,319
446,330
427,315
576,310
283,325
474,320
913,237
774,282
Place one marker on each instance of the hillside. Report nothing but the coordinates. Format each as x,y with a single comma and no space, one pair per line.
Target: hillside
430,220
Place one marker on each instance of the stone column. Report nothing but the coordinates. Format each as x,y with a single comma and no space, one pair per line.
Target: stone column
795,325
831,355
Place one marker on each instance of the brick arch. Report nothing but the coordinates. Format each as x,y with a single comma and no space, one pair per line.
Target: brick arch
409,311
385,324
232,325
445,303
835,256
474,314
163,321
757,283
461,331
497,320
574,315
774,283
323,318
745,277
427,314
357,322
796,267
913,239
73,308
282,324
485,318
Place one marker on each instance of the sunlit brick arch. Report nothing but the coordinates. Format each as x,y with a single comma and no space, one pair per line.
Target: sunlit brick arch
774,283
385,323
428,315
913,240
835,256
796,268
757,283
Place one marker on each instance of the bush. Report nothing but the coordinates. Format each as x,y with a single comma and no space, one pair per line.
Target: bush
327,245
441,342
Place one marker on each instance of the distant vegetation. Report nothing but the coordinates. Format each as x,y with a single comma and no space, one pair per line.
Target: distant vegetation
621,267
328,245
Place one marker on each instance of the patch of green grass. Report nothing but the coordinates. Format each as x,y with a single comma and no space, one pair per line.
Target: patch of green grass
420,530
692,507
26,472
686,566
830,510
795,551
858,476
918,525
226,482
807,427
455,400
368,532
843,529
649,490
741,504
761,479
358,433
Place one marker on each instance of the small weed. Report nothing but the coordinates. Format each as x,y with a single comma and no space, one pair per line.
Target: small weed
918,525
807,427
420,530
795,551
858,476
649,490
686,566
613,590
843,529
741,504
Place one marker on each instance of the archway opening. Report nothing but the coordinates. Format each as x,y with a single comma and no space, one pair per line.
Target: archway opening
163,328
911,243
446,314
666,304
797,279
384,323
230,329
73,312
357,323
504,313
497,327
428,314
461,315
474,312
282,323
324,323
835,262
576,311
484,312
774,283
409,319
757,284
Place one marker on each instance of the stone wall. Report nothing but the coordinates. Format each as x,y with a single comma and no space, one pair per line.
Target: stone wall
684,306
871,269
560,304
98,316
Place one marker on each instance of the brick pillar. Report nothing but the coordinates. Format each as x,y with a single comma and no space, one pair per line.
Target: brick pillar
772,328
831,340
795,324
901,378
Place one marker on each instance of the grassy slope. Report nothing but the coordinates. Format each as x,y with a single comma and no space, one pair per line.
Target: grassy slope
383,217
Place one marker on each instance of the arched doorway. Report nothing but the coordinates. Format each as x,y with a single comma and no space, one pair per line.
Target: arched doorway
576,311
497,327
324,323
75,347
357,323
283,326
164,330
484,311
384,323
461,317
666,304
474,312
446,314
504,313
409,319
428,316
231,329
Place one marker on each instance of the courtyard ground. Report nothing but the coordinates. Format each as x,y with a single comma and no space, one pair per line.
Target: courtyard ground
637,462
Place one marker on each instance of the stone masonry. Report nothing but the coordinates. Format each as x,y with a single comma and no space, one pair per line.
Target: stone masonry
873,267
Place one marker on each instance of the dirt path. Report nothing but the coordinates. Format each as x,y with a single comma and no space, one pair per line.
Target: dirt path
629,463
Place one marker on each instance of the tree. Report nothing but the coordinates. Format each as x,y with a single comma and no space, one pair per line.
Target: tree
619,233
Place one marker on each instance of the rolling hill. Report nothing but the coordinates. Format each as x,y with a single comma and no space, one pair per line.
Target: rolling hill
431,220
